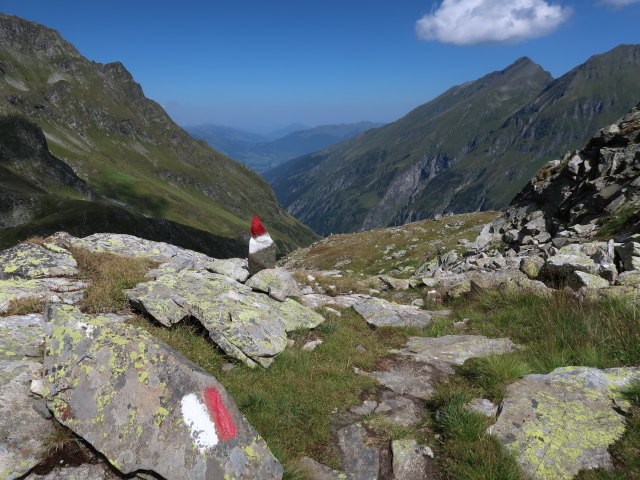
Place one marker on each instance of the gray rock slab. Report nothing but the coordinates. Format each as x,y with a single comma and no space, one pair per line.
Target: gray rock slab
134,399
407,377
454,349
23,431
315,300
29,260
563,422
357,457
412,461
21,336
247,325
483,406
399,409
367,408
59,289
274,280
381,313
580,279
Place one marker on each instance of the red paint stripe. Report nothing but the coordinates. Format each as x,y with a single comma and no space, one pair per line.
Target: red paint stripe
224,423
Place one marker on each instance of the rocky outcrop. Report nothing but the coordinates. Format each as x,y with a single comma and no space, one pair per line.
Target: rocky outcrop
134,399
248,326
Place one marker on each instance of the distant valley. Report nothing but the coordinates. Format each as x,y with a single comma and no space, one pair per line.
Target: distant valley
470,149
265,152
84,150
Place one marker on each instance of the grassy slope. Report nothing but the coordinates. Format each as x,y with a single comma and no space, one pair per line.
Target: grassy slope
97,119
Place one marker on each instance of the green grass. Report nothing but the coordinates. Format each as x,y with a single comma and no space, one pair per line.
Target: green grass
552,332
466,451
290,403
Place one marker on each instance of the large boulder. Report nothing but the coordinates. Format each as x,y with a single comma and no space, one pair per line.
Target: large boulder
563,422
145,407
249,326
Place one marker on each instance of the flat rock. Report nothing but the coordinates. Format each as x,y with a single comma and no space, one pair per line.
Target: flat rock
29,260
21,336
23,430
381,313
407,377
358,458
59,289
454,349
274,280
316,300
412,461
563,422
367,408
134,399
399,409
247,325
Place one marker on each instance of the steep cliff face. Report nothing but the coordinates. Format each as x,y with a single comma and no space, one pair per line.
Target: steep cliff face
470,149
124,146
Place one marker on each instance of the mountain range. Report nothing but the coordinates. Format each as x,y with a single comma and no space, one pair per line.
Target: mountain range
83,149
263,153
470,149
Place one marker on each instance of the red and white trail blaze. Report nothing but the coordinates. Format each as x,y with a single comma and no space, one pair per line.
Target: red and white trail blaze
260,239
208,421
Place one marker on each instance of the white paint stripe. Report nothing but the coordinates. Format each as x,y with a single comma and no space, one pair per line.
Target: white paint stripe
196,417
259,243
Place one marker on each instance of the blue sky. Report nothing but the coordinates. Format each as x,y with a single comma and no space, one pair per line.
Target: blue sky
262,64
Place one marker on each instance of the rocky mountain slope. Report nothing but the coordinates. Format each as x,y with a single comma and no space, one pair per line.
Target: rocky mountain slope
443,156
390,378
124,147
263,155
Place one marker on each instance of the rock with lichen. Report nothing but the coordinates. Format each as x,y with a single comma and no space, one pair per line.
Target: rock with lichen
275,281
22,429
29,260
564,422
381,313
66,290
134,400
247,325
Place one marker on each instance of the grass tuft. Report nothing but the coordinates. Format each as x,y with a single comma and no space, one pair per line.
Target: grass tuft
25,305
109,275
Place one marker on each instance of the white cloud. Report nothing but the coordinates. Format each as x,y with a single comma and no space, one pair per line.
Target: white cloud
473,22
617,3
